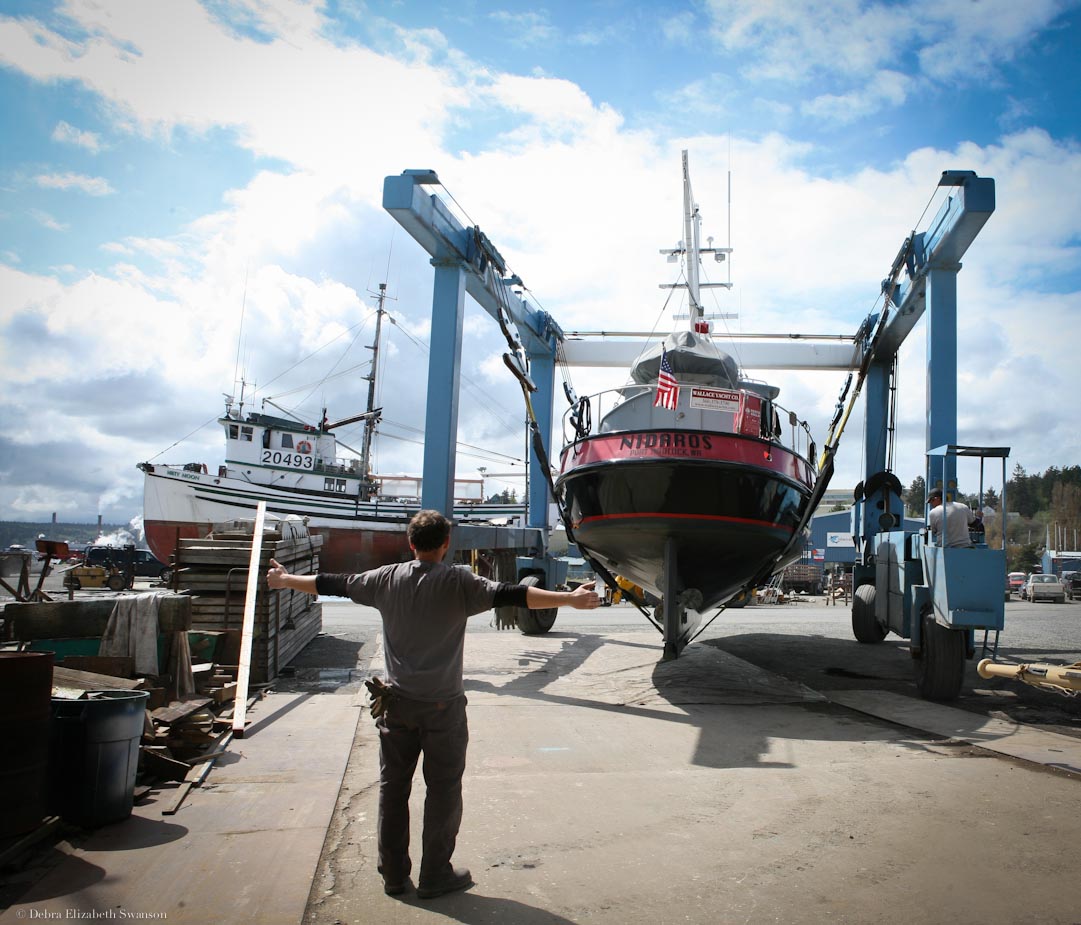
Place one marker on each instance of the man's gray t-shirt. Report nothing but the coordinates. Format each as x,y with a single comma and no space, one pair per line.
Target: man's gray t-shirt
424,607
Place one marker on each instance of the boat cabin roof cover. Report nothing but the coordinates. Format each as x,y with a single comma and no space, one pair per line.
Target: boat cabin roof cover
692,358
696,360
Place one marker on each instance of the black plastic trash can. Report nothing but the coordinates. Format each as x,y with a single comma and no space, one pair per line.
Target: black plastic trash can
95,755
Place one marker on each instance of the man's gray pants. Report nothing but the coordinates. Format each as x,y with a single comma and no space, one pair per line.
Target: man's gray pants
439,731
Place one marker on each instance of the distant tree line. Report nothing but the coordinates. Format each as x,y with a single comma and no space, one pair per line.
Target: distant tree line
1057,491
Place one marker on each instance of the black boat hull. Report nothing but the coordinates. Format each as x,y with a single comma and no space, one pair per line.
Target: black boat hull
729,506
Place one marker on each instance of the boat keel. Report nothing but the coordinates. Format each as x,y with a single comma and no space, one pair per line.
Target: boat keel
677,615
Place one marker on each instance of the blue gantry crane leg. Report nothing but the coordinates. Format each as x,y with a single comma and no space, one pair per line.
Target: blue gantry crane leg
907,582
466,262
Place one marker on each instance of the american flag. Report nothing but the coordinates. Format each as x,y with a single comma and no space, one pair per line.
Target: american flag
667,387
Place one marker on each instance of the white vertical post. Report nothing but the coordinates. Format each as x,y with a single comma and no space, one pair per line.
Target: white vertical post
244,669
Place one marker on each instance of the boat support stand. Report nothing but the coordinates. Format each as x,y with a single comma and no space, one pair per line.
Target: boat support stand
676,604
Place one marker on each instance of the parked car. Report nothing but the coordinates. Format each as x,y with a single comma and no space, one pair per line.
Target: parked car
1071,581
1015,581
144,563
1045,588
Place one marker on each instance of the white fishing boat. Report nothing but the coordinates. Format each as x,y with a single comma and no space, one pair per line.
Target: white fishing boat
299,471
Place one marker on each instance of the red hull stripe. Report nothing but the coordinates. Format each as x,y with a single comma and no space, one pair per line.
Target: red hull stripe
710,517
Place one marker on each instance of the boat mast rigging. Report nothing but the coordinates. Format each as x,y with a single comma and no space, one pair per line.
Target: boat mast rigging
368,485
691,250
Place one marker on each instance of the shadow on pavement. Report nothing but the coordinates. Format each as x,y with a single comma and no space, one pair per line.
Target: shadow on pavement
740,712
475,909
824,664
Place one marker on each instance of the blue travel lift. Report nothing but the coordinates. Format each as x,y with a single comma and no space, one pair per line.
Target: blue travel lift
904,582
465,261
910,583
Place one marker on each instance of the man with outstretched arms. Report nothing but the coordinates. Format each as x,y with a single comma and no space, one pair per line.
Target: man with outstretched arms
424,604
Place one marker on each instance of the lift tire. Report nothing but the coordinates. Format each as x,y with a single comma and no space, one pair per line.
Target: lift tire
865,627
166,575
940,669
535,622
72,583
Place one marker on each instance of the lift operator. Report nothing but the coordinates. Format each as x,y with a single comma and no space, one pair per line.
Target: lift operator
959,518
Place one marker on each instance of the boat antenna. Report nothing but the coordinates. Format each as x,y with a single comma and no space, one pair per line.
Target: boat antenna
729,255
240,334
368,486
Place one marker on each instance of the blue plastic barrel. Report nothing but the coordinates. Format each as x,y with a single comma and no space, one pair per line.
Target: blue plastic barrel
26,684
95,755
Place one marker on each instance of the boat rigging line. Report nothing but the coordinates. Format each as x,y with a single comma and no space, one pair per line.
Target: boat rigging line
213,420
516,361
493,455
485,398
240,332
305,359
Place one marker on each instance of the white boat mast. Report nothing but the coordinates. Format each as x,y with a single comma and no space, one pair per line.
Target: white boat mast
691,251
692,223
372,419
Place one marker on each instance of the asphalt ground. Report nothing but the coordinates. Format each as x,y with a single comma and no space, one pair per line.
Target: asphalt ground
604,786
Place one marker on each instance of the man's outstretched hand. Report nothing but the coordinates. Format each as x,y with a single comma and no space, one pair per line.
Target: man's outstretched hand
276,575
584,597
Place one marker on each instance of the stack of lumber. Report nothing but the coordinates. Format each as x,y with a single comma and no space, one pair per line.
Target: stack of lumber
214,571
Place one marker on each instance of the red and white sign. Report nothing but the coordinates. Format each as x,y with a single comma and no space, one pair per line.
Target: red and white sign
715,400
749,420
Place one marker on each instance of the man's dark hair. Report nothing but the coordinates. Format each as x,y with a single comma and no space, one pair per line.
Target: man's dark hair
428,530
935,493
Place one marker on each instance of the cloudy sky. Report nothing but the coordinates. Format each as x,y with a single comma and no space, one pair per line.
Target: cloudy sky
191,195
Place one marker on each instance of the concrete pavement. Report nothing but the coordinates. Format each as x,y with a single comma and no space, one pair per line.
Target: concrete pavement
603,787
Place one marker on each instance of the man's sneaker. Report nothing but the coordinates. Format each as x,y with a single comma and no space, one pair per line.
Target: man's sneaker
395,888
457,879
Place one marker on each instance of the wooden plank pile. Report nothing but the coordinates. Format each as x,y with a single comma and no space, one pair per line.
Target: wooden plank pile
214,571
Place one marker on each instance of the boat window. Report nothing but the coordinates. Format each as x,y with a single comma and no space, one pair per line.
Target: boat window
234,431
287,441
266,439
337,485
246,434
